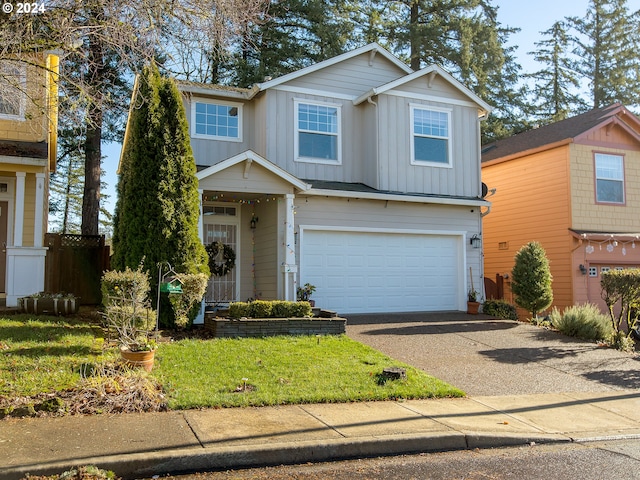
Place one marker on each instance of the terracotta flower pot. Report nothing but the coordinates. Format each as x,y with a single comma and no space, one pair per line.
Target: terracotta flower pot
142,359
473,307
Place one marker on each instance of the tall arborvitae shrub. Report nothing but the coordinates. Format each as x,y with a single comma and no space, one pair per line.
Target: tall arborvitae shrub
156,216
531,279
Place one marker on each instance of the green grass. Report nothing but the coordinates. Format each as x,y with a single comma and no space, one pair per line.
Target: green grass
46,354
43,354
282,370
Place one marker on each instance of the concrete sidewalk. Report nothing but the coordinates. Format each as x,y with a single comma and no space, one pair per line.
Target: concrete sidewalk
142,445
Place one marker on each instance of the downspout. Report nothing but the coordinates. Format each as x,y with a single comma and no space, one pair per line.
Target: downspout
377,135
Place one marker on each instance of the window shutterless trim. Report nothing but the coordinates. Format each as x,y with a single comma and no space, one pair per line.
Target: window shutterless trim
296,137
206,101
412,136
623,181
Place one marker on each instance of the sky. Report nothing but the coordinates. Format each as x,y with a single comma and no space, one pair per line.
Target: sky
531,17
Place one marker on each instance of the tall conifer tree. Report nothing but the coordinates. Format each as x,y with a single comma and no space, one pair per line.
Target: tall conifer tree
156,218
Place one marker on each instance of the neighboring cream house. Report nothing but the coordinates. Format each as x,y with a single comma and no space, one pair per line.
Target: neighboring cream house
573,186
357,175
28,123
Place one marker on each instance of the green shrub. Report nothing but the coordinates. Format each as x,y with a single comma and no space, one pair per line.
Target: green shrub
260,309
132,285
622,342
500,309
582,321
269,309
531,279
621,292
238,309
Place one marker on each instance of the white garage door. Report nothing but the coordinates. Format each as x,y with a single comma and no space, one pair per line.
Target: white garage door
365,272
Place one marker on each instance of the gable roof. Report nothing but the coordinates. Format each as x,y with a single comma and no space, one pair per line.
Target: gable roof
250,156
432,70
563,132
372,49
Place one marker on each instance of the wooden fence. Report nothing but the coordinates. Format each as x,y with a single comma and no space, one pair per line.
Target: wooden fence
75,264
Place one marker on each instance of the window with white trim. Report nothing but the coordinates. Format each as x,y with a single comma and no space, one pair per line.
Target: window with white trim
216,120
609,178
13,77
318,136
430,136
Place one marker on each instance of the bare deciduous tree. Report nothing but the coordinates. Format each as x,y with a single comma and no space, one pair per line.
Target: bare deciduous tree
102,43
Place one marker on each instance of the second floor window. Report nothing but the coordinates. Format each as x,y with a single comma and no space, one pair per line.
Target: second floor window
430,136
12,94
317,132
609,178
217,120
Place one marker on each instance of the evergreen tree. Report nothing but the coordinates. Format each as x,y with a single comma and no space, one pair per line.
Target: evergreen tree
531,279
607,45
296,34
556,86
156,217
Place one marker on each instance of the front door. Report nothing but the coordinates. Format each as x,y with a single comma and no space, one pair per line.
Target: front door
4,215
221,225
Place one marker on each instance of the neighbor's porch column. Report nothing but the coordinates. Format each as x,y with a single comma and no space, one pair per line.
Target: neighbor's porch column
38,235
18,226
289,267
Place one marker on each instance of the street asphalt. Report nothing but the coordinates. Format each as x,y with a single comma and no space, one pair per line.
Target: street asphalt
525,385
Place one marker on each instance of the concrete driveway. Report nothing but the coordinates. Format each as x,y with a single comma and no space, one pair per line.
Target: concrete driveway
486,356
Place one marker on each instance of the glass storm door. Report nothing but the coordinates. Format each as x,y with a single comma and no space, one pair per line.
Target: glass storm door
220,225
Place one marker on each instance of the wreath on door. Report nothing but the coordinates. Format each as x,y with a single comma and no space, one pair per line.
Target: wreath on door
220,269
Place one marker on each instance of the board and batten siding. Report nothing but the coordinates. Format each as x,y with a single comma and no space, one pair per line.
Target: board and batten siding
393,216
532,203
396,173
281,127
208,152
352,77
261,246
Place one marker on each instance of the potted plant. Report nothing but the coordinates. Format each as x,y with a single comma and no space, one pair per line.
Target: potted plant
472,302
304,293
124,295
49,304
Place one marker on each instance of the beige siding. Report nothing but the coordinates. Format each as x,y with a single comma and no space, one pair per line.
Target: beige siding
239,178
352,77
395,170
208,152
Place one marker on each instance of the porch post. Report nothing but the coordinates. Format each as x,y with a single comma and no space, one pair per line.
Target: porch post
200,217
38,236
19,215
289,267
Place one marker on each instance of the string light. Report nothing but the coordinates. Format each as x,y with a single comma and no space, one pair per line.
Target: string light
610,243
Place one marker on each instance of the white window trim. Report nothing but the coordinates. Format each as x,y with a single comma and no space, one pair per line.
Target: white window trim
622,181
22,86
296,155
422,163
239,106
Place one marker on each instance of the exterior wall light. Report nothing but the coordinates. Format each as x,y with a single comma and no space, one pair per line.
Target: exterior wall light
253,223
476,241
583,269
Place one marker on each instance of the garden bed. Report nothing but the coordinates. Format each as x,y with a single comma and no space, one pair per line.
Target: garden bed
269,327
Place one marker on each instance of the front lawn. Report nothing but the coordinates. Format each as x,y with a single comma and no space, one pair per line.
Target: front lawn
279,370
47,354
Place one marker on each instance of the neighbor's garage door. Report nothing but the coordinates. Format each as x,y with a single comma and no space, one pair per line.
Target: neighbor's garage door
364,272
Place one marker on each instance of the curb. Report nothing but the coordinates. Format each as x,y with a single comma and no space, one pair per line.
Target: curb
178,461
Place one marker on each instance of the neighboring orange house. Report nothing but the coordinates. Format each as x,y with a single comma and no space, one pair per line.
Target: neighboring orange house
28,137
573,186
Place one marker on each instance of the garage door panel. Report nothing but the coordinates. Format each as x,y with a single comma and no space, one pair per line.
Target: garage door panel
381,272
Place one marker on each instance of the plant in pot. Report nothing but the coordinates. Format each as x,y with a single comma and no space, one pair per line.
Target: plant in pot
472,302
49,304
127,311
304,293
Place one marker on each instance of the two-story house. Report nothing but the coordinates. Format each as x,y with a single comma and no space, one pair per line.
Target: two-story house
573,186
28,136
356,174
